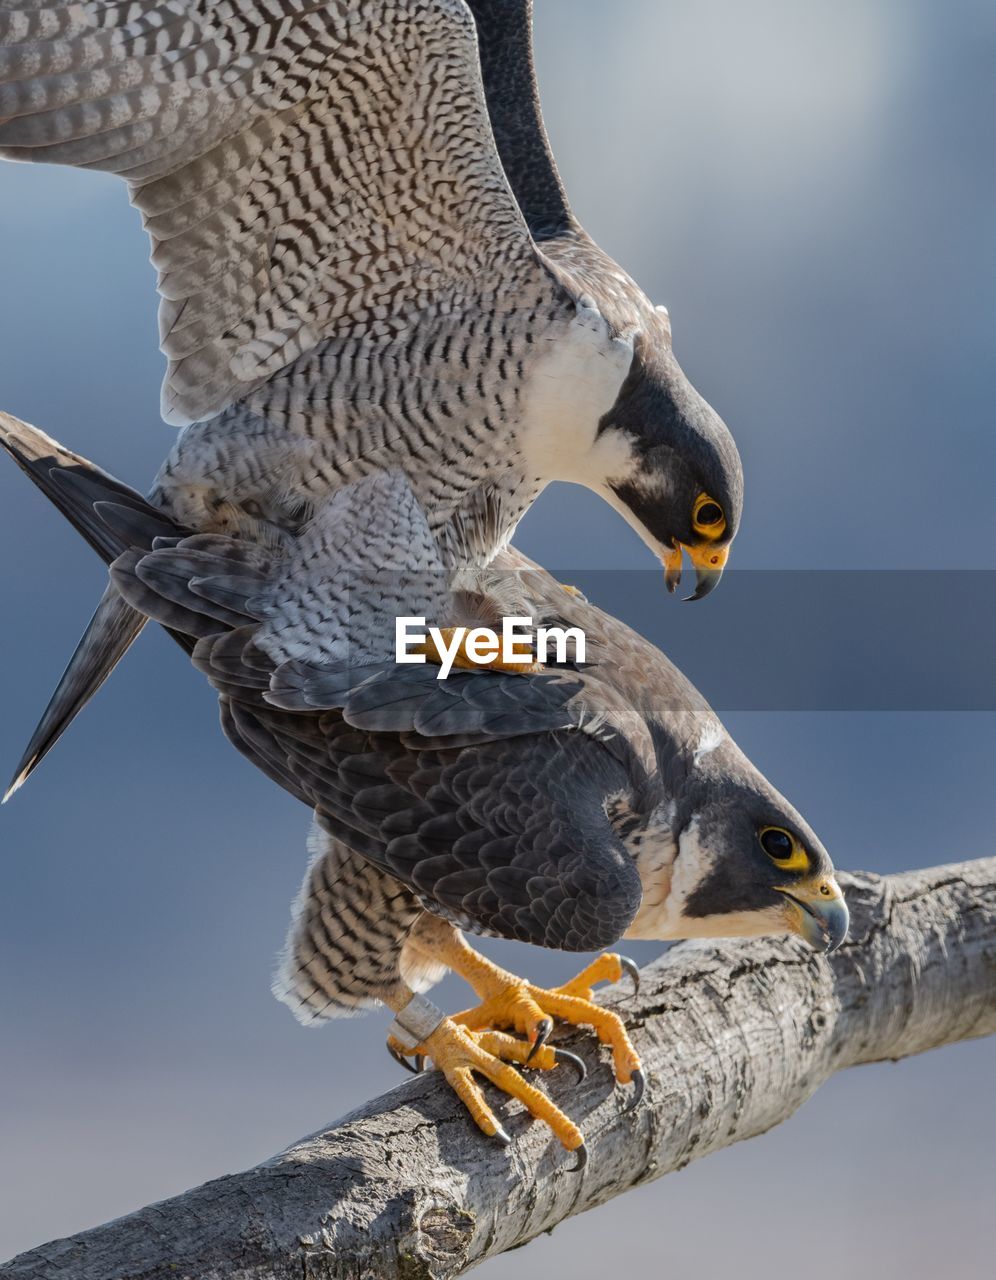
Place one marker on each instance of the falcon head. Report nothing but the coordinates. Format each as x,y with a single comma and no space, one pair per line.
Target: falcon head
747,864
680,484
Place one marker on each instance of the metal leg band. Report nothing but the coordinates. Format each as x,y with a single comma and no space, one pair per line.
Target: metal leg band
417,1021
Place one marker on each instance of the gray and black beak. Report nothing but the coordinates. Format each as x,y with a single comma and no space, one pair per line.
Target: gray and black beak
818,913
709,561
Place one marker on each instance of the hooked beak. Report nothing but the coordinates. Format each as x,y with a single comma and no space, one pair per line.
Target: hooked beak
709,561
818,913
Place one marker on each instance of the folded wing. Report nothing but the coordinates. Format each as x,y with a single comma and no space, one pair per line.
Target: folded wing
481,794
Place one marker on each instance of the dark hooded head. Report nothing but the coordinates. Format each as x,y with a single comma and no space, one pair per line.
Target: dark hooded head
681,487
747,862
736,859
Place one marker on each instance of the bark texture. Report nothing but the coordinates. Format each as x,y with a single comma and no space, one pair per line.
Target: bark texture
734,1037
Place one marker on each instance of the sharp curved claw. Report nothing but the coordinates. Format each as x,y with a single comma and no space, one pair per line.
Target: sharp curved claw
501,1136
402,1061
582,1160
639,1082
419,1063
563,1055
630,968
543,1032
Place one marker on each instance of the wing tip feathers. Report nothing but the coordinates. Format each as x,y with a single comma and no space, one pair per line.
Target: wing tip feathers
20,778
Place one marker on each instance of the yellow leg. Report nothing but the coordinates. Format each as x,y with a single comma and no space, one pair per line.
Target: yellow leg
463,659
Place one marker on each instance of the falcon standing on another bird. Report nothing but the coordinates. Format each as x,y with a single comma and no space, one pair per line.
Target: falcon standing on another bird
567,809
366,263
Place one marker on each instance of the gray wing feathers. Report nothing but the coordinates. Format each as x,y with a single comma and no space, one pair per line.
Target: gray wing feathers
254,614
248,736
462,790
466,706
504,35
277,153
331,599
366,558
509,837
148,599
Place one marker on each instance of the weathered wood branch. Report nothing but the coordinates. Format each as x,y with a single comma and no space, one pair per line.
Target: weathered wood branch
735,1037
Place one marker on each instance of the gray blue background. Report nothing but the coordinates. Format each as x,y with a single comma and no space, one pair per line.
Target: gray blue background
810,189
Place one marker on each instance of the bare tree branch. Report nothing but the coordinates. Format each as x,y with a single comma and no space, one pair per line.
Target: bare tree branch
734,1036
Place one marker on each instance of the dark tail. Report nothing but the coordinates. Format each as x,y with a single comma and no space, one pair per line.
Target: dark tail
112,518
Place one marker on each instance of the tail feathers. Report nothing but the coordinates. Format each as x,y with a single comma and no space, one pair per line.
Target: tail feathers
151,594
112,518
113,628
78,488
133,526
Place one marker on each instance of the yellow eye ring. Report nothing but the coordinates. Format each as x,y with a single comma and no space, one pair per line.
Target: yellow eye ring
708,519
783,849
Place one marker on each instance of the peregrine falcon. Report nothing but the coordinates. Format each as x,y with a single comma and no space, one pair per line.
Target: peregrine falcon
366,262
569,808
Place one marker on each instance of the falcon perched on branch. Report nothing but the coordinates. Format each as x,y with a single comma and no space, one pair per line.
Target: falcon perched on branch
366,262
568,808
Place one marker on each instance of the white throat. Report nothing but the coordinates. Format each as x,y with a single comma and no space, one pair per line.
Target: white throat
569,389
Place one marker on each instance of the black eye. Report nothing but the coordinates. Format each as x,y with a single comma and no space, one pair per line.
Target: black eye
709,513
776,843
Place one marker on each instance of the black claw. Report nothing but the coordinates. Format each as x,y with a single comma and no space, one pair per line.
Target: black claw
629,967
402,1061
639,1082
501,1136
543,1032
563,1055
419,1063
582,1160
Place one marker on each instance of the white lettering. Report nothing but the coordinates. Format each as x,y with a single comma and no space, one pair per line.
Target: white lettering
482,646
560,638
402,639
447,654
516,645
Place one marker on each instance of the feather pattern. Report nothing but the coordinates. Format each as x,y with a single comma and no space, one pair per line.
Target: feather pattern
484,794
347,281
348,945
296,166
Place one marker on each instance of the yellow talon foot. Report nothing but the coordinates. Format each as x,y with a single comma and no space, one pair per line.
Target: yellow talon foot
510,1002
460,1054
608,967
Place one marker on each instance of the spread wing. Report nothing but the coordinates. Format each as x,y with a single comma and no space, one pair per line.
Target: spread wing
505,40
306,171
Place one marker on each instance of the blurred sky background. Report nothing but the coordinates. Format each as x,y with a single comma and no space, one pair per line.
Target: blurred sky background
810,188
